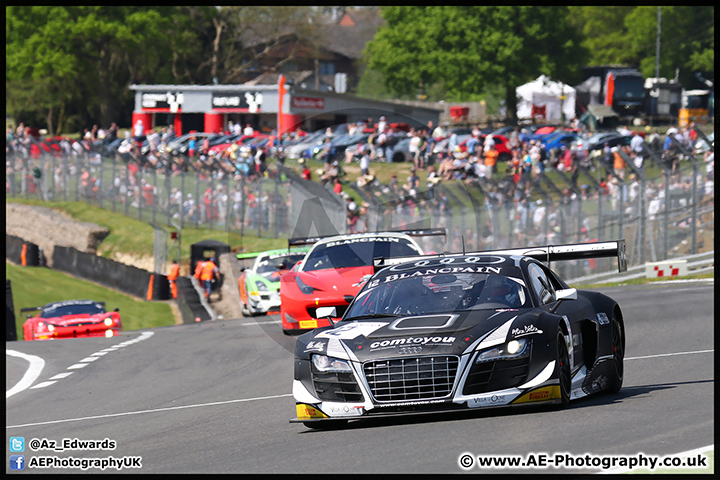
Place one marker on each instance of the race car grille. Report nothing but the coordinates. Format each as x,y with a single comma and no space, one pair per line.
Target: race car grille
78,324
406,379
498,375
340,309
336,387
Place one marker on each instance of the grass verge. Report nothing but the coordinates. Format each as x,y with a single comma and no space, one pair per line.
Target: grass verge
641,281
37,286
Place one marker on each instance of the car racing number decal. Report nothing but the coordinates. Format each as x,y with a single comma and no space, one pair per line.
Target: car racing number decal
351,331
315,346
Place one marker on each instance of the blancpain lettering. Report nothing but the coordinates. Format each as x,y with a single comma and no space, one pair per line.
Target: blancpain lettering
413,341
362,240
433,271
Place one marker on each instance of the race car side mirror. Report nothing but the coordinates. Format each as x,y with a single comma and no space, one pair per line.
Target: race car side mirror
117,309
564,294
242,269
326,312
348,298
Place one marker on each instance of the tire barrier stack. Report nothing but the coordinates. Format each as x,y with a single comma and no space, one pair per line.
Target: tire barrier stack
23,253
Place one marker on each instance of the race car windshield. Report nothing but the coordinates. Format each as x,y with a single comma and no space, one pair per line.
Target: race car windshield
62,310
356,253
441,293
268,267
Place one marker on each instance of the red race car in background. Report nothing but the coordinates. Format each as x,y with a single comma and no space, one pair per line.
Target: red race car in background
71,318
334,270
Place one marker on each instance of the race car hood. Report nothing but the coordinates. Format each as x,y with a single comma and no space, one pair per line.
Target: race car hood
272,284
341,281
441,334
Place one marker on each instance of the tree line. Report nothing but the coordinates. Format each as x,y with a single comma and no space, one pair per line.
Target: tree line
69,67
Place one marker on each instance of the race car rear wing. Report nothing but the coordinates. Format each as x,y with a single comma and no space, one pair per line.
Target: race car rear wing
548,253
295,242
31,309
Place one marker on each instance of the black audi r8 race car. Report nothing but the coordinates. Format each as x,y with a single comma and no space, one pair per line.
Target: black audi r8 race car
449,332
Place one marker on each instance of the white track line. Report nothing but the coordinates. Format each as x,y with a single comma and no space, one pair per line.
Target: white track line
167,409
670,354
37,364
32,373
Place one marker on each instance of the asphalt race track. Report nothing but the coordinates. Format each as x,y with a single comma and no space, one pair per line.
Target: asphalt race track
214,397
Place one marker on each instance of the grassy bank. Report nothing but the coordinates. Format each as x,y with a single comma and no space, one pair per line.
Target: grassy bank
131,236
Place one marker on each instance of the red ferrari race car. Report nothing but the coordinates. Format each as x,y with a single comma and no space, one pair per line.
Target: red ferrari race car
333,271
71,318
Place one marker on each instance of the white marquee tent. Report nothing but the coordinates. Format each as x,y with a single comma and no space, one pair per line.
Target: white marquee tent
545,94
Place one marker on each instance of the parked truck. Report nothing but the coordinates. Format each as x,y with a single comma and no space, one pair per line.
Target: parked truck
622,88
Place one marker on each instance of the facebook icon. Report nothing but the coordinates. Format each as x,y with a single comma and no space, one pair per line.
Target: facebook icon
17,462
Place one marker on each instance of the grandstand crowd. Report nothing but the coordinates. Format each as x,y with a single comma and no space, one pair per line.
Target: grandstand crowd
508,165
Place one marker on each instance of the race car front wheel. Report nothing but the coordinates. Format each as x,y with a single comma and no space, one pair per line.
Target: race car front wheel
618,347
562,369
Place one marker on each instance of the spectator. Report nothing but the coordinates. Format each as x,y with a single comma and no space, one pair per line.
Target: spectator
382,124
391,139
138,129
413,181
327,152
394,186
365,163
338,189
414,148
306,173
491,155
618,163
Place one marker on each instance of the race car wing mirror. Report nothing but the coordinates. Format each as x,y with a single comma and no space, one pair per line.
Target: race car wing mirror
564,294
326,312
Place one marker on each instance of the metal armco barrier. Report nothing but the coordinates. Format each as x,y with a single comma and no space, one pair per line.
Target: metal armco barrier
126,278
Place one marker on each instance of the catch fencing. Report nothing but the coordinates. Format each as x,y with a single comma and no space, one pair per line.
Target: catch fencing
660,217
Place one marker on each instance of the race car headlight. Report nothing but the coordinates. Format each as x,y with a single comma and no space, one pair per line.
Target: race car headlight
108,321
261,287
512,350
324,364
304,288
44,327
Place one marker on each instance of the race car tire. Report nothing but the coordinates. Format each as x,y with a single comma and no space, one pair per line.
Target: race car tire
618,346
562,369
326,424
